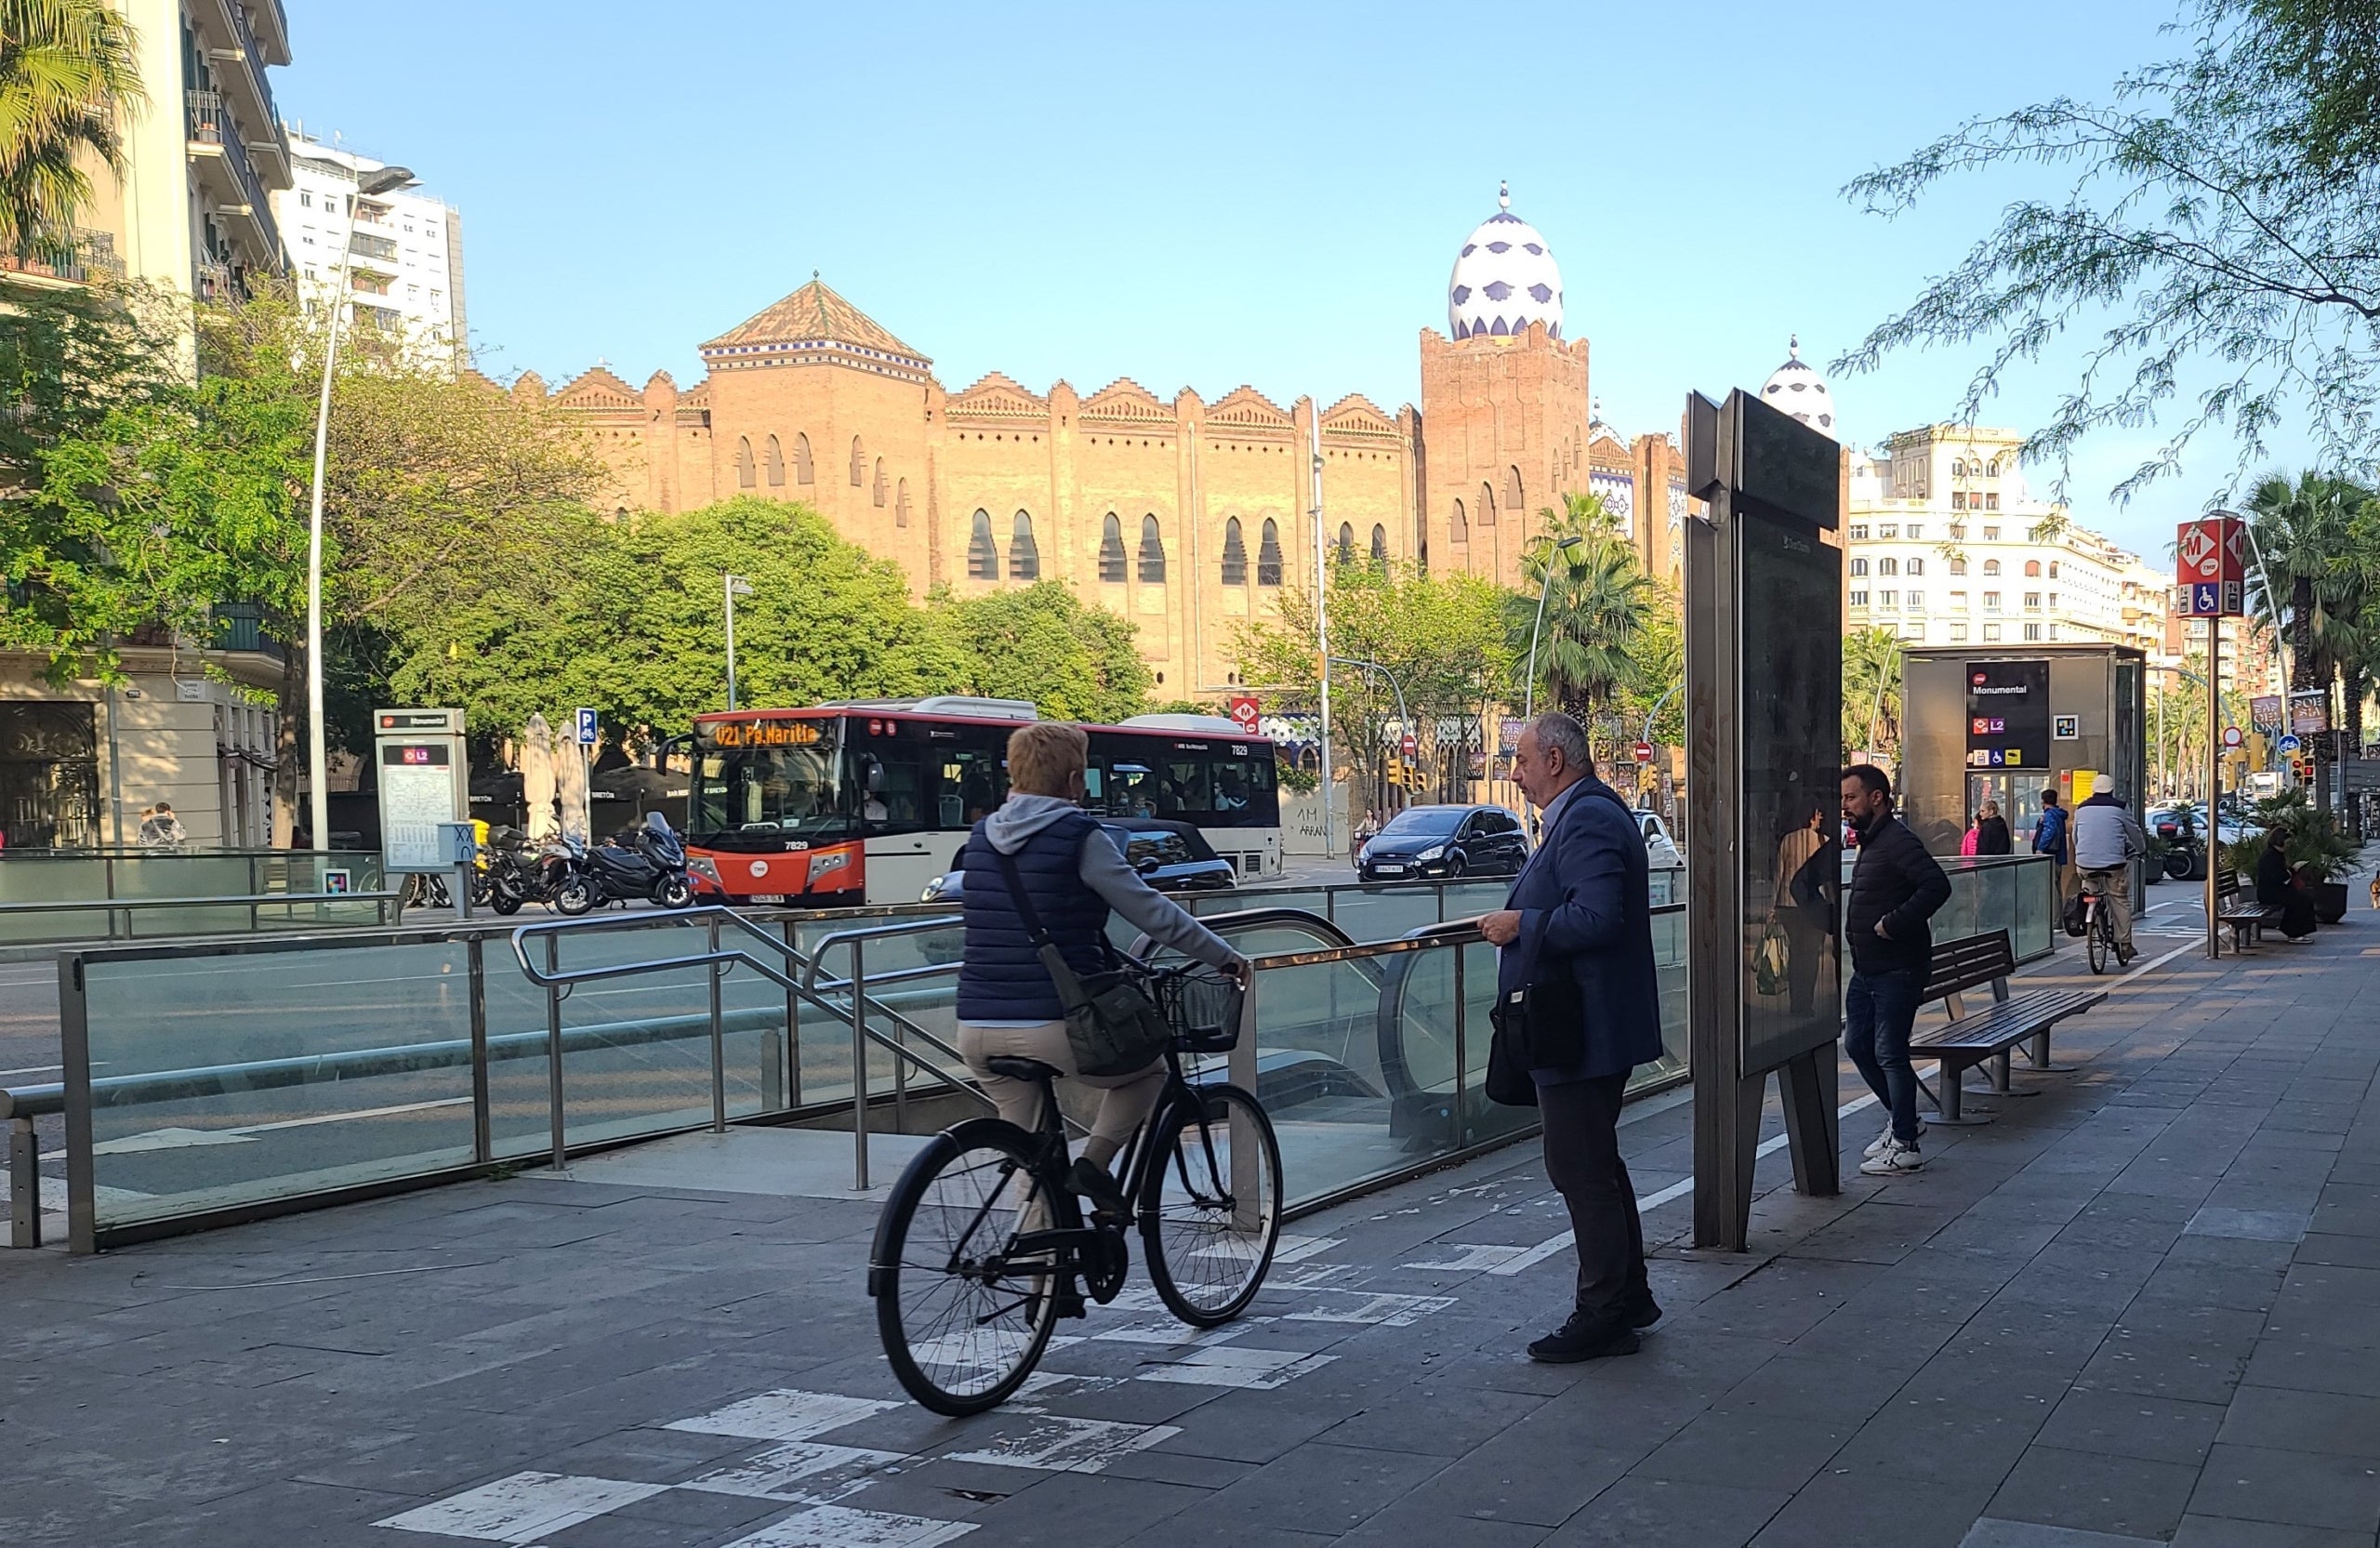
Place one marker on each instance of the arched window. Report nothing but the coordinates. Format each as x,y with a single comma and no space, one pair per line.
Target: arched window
1379,544
1914,567
772,463
2032,569
1858,566
744,479
1513,501
1111,550
859,464
1235,553
901,504
1023,557
1268,555
880,489
1957,467
1487,505
1461,524
982,556
1152,552
2053,569
1346,542
1958,566
1991,566
1888,566
803,472
1992,469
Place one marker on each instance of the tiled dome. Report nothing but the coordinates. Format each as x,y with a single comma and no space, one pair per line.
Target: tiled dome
1504,278
1801,392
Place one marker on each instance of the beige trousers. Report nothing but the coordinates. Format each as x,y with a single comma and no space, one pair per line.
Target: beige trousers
1124,1102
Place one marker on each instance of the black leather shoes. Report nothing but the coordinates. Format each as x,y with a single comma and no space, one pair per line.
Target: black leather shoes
1641,1313
1092,1181
1583,1338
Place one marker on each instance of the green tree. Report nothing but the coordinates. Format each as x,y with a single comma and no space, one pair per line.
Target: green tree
1041,643
69,77
1871,692
2217,214
1596,610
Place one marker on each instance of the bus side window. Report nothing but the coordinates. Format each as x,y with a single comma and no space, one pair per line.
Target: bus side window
1094,780
890,791
1186,789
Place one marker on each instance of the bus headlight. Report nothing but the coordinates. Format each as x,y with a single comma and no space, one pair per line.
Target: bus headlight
826,860
702,867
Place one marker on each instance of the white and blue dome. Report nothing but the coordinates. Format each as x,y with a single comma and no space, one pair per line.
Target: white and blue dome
1504,279
1801,392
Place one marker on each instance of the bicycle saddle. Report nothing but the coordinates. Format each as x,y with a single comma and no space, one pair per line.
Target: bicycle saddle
1022,1069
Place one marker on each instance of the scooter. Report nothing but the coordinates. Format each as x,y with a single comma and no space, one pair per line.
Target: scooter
518,873
2184,857
654,867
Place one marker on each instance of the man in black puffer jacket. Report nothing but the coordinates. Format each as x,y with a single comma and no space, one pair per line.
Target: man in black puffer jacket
1896,887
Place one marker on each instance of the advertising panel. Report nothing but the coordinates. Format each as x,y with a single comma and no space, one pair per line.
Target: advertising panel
2008,715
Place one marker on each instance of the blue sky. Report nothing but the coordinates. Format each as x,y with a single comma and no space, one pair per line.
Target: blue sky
1209,195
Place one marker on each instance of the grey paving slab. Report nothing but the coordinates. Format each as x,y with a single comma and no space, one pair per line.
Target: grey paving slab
2094,1491
2304,1489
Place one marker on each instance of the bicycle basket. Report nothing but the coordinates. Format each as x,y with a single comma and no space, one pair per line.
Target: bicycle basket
1202,1005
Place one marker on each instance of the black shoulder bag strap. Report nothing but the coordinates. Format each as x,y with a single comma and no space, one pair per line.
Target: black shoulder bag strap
1061,972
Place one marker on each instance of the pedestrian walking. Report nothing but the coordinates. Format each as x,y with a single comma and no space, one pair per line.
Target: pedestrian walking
1896,887
2108,837
1577,1008
1992,836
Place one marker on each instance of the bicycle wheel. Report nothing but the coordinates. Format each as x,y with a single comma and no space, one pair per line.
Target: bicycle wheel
1211,1207
962,1327
2102,937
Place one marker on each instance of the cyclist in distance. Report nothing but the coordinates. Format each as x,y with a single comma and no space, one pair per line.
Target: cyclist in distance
2108,837
1007,1006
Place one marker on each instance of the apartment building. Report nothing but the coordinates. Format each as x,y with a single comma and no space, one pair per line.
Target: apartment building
405,252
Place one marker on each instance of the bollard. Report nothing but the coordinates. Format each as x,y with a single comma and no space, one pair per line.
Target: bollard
24,1184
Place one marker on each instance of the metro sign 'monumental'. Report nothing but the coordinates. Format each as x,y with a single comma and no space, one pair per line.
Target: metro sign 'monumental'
2213,566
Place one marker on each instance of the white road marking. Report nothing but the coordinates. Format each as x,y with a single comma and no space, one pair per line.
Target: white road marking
785,1414
1237,1366
1477,1258
824,1473
1378,1310
34,1069
1059,1445
178,1138
1291,1249
521,1508
841,1527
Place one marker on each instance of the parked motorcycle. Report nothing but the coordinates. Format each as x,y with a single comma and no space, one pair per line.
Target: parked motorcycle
517,872
652,866
2185,857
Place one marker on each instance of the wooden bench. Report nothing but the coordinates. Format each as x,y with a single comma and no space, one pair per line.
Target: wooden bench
2244,916
1966,1040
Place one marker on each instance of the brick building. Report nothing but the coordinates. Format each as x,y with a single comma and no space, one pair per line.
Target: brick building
1182,515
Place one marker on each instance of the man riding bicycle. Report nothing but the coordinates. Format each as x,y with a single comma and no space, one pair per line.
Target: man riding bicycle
2108,837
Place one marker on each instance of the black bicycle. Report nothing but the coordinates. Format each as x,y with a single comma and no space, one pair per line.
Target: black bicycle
2099,928
983,1245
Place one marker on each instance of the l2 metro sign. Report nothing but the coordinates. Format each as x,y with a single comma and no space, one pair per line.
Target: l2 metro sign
2210,556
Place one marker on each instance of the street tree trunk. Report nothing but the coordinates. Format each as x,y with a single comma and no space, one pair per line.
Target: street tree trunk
287,744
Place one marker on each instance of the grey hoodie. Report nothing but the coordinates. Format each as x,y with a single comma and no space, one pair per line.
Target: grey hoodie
1104,871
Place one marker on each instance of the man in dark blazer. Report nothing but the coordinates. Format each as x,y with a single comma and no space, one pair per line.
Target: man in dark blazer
1576,989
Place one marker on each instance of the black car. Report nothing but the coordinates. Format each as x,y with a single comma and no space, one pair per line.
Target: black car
1171,856
1445,841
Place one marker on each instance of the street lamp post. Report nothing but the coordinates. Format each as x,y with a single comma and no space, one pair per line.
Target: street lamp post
734,587
386,180
1528,693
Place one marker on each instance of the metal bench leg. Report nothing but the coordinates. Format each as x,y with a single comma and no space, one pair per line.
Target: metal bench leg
24,1184
2038,1059
1948,1110
1998,1066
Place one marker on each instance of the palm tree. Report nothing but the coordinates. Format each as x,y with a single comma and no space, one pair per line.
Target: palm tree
2301,531
1871,692
1594,610
69,75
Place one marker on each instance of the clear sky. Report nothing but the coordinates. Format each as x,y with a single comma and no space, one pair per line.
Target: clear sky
1208,195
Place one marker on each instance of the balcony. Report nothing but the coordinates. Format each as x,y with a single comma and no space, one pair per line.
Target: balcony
73,260
241,65
223,164
239,627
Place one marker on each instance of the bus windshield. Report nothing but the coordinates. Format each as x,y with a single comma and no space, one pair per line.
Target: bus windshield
777,791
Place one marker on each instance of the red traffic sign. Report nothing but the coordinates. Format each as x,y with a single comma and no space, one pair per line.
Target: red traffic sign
2231,738
1408,747
1644,751
1244,711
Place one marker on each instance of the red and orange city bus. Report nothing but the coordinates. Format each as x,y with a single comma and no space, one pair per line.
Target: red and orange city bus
866,801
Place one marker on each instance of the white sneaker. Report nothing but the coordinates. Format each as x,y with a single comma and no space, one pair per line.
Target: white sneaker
1883,1143
1893,1162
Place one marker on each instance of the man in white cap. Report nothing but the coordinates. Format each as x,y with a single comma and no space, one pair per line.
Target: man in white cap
2106,838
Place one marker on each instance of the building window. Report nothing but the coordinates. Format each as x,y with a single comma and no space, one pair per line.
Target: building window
2053,569
1992,469
1152,552
881,488
1958,634
1958,566
1958,532
1513,501
1346,543
1958,500
1916,599
1916,567
1991,566
1859,599
2053,602
1888,598
1487,505
305,201
772,463
802,471
744,479
1888,566
2032,631
1268,556
859,464
1991,535
2033,601
1992,602
1023,558
1859,534
1111,551
1958,468
1958,601
983,555
1858,566
2032,569
1913,630
1235,553
1916,531
2053,629
901,504
1379,545
1991,633
1890,529
1461,524
1991,500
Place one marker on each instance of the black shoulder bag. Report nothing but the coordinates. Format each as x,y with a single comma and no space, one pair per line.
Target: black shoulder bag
1112,1025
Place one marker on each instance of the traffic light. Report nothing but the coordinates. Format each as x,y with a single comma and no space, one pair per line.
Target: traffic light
1396,773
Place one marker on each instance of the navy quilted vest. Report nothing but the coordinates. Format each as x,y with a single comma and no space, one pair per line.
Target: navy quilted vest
1000,977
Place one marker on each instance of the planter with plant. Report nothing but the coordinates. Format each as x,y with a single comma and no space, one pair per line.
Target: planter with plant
2314,843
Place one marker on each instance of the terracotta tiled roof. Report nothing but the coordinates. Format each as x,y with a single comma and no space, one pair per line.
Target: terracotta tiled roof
814,313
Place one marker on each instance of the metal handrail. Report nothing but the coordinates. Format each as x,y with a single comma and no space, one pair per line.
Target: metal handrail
73,905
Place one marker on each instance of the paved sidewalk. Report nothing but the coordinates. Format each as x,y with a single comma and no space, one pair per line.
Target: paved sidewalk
2140,1305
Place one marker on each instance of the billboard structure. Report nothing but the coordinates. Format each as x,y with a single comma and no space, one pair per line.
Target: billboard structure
1763,684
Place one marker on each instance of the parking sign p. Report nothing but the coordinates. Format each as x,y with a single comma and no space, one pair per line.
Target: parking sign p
586,728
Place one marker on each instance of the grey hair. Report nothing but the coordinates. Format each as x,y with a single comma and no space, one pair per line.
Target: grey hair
1559,733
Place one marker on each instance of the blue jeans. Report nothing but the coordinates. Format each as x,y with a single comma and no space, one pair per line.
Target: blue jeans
1877,1014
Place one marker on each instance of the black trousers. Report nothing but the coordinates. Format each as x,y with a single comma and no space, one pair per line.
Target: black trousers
1581,1121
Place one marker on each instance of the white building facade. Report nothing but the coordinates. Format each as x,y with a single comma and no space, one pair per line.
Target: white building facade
404,274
